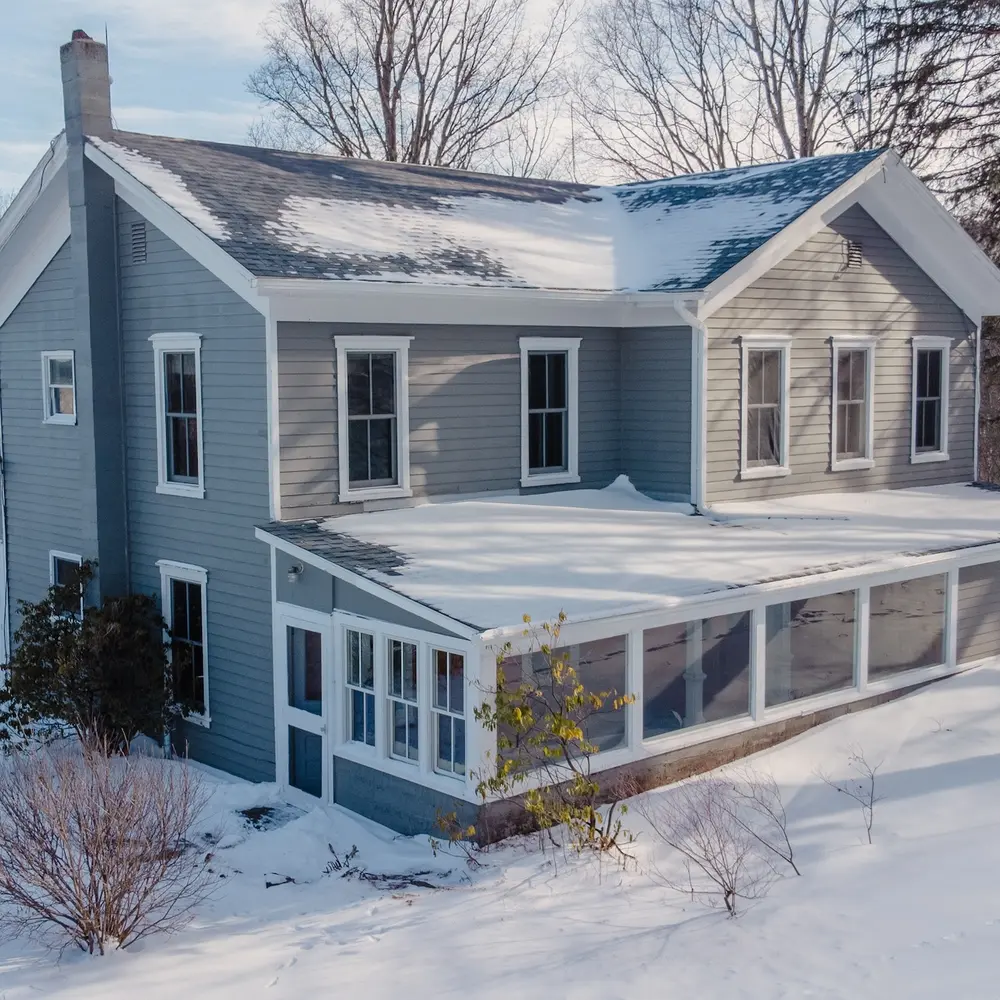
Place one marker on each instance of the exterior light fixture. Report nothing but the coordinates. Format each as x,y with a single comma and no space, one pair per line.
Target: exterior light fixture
294,572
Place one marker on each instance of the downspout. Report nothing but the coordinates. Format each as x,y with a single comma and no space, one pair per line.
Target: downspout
699,402
975,429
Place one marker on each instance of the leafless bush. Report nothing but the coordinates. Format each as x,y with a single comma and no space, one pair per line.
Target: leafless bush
723,854
760,810
92,846
860,786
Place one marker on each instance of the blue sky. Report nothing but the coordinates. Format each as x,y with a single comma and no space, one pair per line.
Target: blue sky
178,67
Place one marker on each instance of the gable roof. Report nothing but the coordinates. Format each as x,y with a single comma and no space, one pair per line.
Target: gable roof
294,215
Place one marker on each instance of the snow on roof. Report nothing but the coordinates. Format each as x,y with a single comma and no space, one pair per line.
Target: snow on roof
603,553
283,214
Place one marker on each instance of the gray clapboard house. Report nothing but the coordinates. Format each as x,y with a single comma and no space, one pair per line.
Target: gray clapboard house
351,420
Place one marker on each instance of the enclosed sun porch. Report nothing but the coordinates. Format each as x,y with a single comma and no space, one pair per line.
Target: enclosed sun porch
753,619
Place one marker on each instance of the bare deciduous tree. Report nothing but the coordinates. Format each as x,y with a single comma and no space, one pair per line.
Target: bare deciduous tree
443,82
860,786
92,847
7,197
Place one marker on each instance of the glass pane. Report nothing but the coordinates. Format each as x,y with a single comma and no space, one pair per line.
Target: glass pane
353,657
395,667
536,440
173,376
754,454
444,751
555,440
357,451
859,367
358,385
440,679
978,612
305,761
179,627
383,449
557,388
305,670
810,647
771,389
458,744
906,626
928,425
411,732
409,654
457,685
370,719
537,396
61,401
358,716
67,574
844,375
383,383
189,395
195,629
60,372
192,447
398,728
178,449
367,660
755,377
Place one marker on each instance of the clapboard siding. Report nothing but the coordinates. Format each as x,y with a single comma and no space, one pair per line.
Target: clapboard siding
172,293
810,296
465,405
978,612
42,476
656,410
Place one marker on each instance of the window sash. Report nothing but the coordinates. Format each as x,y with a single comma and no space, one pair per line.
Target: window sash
928,409
66,572
180,400
361,685
60,386
187,641
404,720
764,388
448,705
372,418
548,411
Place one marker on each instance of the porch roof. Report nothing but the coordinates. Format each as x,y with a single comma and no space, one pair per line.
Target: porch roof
598,554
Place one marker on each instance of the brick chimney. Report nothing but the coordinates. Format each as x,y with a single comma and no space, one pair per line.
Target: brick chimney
86,87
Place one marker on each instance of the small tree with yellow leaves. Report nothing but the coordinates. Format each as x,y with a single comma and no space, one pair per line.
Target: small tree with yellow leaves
542,724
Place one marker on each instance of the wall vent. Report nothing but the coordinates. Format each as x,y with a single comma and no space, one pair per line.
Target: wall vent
138,242
853,255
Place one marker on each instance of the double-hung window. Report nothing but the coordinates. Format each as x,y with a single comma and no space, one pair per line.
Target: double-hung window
373,417
549,410
361,686
449,710
404,712
183,597
852,418
929,404
179,446
764,392
59,387
64,572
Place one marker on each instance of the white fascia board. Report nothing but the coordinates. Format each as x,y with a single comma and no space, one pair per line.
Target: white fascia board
355,301
178,229
776,249
35,236
368,586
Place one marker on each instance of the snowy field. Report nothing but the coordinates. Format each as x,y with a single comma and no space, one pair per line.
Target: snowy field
915,915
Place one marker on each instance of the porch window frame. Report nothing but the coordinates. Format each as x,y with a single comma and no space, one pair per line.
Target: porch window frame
447,711
418,702
187,573
177,343
400,346
351,687
782,344
570,346
847,344
49,416
944,346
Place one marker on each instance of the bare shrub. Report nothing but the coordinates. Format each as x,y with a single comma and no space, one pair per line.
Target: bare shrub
760,810
860,786
92,847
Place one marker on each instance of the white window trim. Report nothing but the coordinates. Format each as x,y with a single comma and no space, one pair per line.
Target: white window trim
170,570
783,344
72,557
166,343
942,344
866,344
401,347
571,346
435,711
47,416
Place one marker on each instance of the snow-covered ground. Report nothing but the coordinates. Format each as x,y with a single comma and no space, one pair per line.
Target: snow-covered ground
915,915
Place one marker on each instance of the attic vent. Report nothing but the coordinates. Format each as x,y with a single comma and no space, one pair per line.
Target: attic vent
138,242
853,255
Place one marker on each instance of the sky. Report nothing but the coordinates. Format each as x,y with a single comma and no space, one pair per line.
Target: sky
178,67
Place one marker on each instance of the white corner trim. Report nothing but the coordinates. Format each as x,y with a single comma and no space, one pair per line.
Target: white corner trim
853,343
571,347
944,345
48,417
273,417
699,401
164,343
170,570
400,346
757,342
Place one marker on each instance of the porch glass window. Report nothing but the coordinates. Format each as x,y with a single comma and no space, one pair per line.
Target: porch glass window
906,625
449,710
548,411
978,612
852,403
403,703
187,643
180,375
763,388
361,686
928,408
305,761
305,669
372,419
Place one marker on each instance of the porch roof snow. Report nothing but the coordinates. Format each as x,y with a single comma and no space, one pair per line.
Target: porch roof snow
604,553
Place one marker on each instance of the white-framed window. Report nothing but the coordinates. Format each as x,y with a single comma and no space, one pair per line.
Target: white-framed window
550,410
764,393
360,659
184,600
448,705
404,702
59,387
852,423
179,431
373,417
64,571
931,373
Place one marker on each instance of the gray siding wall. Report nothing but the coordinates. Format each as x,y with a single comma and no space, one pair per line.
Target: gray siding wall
810,296
465,406
41,462
656,410
978,612
172,293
